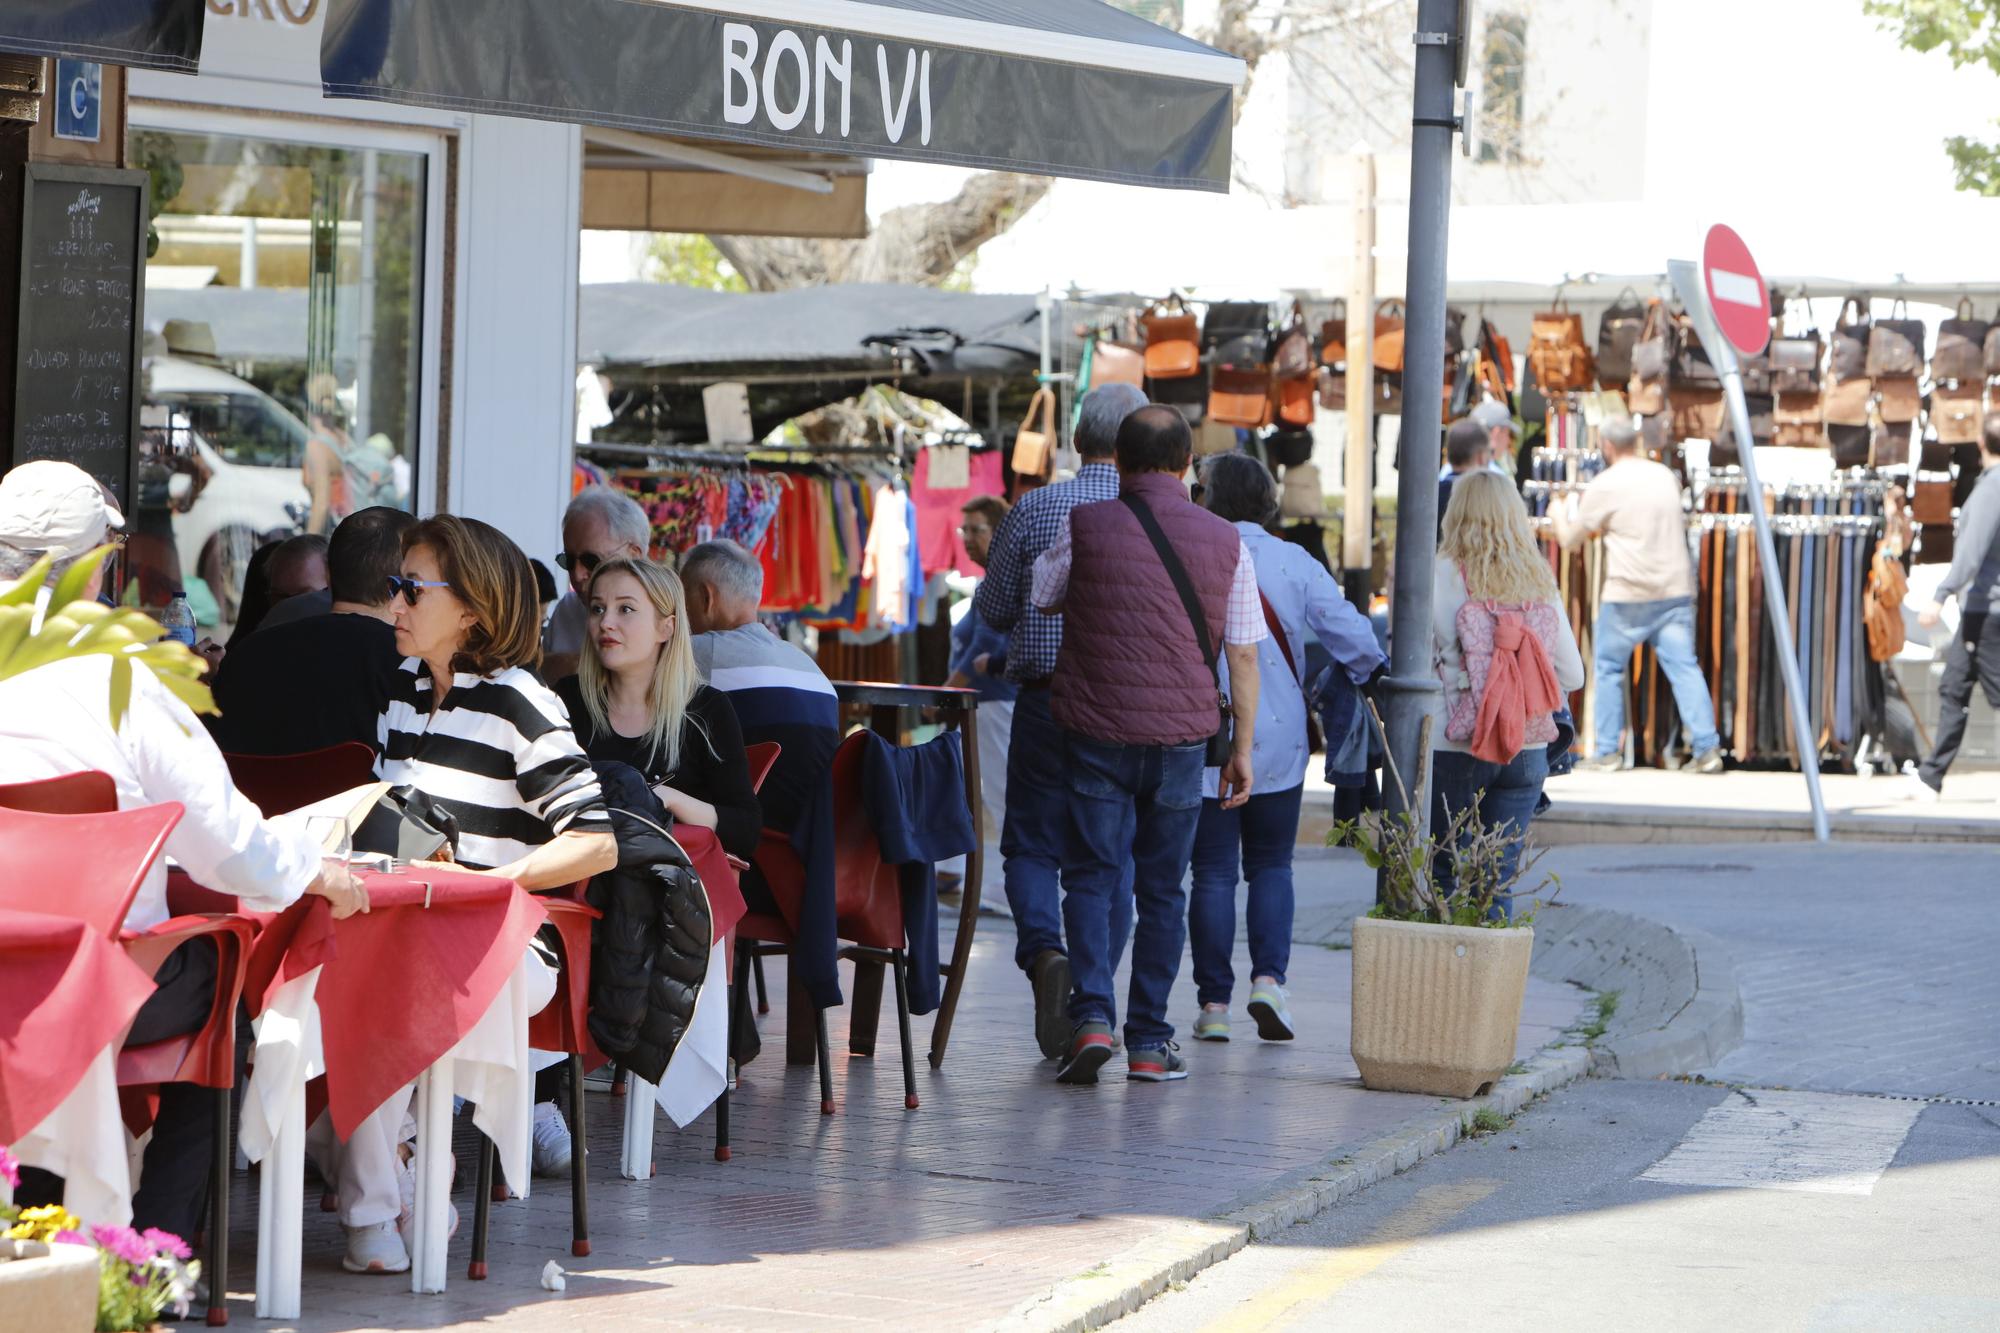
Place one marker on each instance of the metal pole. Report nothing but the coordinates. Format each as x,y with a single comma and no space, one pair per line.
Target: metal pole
1357,531
1694,298
1412,686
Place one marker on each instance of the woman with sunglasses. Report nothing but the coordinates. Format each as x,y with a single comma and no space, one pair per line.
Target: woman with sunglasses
638,699
471,726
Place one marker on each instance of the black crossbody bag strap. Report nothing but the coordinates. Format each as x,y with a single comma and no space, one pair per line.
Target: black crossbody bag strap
1182,584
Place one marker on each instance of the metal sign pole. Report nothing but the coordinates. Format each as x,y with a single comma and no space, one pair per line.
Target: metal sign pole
1687,282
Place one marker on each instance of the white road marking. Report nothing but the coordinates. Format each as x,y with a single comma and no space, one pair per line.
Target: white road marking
1815,1143
1736,288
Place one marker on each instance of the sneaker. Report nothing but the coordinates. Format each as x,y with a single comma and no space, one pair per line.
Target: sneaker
1155,1064
552,1142
1049,975
1089,1048
1708,761
1268,1008
1601,763
406,1221
1919,790
1212,1023
376,1249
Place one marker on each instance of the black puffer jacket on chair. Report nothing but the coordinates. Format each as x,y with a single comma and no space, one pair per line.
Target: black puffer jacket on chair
649,953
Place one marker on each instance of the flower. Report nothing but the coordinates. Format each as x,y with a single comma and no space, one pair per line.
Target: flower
123,1242
43,1222
166,1242
69,1238
10,1169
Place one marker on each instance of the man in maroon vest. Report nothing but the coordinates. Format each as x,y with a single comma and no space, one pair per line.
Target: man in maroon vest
1135,690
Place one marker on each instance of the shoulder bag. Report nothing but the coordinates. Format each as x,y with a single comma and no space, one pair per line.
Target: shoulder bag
1961,347
1956,414
1389,337
1223,742
1172,352
1650,355
1896,346
1034,443
1557,352
1795,364
1848,359
1333,337
1617,330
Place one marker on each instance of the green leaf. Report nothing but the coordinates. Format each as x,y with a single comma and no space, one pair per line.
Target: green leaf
121,689
77,577
22,591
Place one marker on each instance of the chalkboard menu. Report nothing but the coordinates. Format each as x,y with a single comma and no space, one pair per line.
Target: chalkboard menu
83,272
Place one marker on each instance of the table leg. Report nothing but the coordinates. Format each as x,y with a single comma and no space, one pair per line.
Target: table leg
637,1162
280,1215
433,1165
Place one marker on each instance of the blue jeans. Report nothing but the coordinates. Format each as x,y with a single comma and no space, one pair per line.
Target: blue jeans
1258,836
1130,806
1036,828
1669,626
1506,796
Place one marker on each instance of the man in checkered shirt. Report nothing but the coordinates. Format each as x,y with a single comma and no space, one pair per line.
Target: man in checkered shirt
1037,821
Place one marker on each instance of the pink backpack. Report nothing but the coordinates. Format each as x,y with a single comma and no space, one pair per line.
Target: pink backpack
1484,629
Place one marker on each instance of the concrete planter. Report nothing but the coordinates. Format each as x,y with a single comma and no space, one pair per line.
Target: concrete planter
48,1287
1437,1008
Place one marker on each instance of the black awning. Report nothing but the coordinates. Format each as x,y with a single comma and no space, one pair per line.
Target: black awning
1050,87
146,34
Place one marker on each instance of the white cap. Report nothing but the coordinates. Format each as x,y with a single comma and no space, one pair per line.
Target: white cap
55,507
1493,416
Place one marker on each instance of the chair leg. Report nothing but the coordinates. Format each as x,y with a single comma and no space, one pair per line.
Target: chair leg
579,1202
763,999
218,1215
825,1063
736,1019
617,1080
482,1211
900,966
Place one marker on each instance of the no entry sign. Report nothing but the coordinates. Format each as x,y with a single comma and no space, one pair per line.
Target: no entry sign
1737,296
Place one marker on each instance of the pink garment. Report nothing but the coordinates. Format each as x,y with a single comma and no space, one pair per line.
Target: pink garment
1511,679
939,547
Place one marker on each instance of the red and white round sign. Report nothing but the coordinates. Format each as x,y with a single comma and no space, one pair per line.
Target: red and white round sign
1737,295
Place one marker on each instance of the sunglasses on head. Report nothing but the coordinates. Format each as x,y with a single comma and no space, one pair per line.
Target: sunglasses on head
410,589
587,562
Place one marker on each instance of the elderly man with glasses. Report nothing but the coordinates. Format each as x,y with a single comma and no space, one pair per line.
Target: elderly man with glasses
600,524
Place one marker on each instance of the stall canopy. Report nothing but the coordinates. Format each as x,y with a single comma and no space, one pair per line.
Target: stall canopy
1052,87
147,34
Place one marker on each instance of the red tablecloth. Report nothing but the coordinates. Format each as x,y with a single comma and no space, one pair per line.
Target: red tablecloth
725,897
402,983
68,992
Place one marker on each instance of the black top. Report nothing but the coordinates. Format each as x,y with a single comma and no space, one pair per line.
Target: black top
713,766
304,686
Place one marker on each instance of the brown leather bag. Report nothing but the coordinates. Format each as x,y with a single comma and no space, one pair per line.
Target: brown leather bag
1847,358
1691,367
1882,612
1796,422
1292,402
1930,500
1294,357
1333,389
1845,402
1034,443
1650,356
1617,331
1695,414
1795,364
1240,396
1557,352
1961,344
1333,337
1888,445
1114,363
1993,345
1896,346
1897,399
1956,414
1389,339
1173,348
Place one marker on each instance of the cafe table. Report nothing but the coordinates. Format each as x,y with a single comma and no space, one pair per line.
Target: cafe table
70,995
434,984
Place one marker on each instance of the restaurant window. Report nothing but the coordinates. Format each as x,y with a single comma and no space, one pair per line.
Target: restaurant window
283,367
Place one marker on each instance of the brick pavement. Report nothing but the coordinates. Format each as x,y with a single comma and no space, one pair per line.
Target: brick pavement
1000,1186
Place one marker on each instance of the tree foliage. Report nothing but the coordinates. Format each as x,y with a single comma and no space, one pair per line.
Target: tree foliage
1968,32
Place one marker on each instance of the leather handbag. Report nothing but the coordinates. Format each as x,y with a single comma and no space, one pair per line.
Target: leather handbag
1760,406
1961,347
1294,358
406,824
1847,357
1888,445
1993,345
1288,448
1930,499
1227,321
1796,422
1557,353
1240,396
1882,611
1691,368
1333,388
1496,363
1897,398
1189,394
1034,443
1756,372
1333,337
1650,354
1795,364
1617,330
1222,743
1214,437
1301,496
1845,402
1695,414
1292,402
1956,414
1172,352
1389,340
1114,363
1934,456
1852,446
1896,346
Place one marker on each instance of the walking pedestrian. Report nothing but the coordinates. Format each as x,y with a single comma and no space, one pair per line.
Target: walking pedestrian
1974,579
1037,818
1498,632
979,662
1635,505
1149,583
1302,604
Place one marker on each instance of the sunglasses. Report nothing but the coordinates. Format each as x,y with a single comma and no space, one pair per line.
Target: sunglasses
409,589
587,562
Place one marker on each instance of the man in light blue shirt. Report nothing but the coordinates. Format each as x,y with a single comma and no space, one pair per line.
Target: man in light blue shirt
1300,598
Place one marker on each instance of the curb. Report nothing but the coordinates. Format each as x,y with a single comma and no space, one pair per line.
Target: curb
1706,1028
1118,1288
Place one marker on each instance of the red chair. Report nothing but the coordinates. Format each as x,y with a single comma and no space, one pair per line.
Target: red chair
868,901
279,783
761,757
89,867
88,792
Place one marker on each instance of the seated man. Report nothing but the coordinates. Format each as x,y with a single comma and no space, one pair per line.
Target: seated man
56,720
302,686
298,580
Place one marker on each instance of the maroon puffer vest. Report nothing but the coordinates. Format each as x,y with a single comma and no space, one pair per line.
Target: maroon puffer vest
1130,671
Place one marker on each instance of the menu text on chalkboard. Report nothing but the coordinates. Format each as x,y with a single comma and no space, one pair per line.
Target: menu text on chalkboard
83,268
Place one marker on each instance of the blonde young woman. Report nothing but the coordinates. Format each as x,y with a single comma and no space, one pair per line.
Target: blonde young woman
638,699
1489,553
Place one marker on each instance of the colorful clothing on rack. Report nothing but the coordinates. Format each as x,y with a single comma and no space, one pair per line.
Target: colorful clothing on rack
938,543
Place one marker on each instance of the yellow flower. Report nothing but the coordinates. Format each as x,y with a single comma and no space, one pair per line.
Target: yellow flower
43,1223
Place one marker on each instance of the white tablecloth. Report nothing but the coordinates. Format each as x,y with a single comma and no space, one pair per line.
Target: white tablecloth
83,1141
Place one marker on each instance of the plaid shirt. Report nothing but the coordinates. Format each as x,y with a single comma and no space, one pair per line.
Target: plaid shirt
1030,528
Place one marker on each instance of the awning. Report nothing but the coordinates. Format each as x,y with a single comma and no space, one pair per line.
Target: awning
146,34
1051,87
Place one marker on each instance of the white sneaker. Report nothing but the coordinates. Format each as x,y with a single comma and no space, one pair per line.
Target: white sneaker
1919,790
376,1249
1270,1007
552,1142
406,1221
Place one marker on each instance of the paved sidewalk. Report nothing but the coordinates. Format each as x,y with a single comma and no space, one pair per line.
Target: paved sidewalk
1002,1185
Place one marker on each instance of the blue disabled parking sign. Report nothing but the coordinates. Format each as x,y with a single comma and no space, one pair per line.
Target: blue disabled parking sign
79,99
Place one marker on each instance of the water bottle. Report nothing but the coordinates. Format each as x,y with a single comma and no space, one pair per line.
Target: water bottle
179,619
